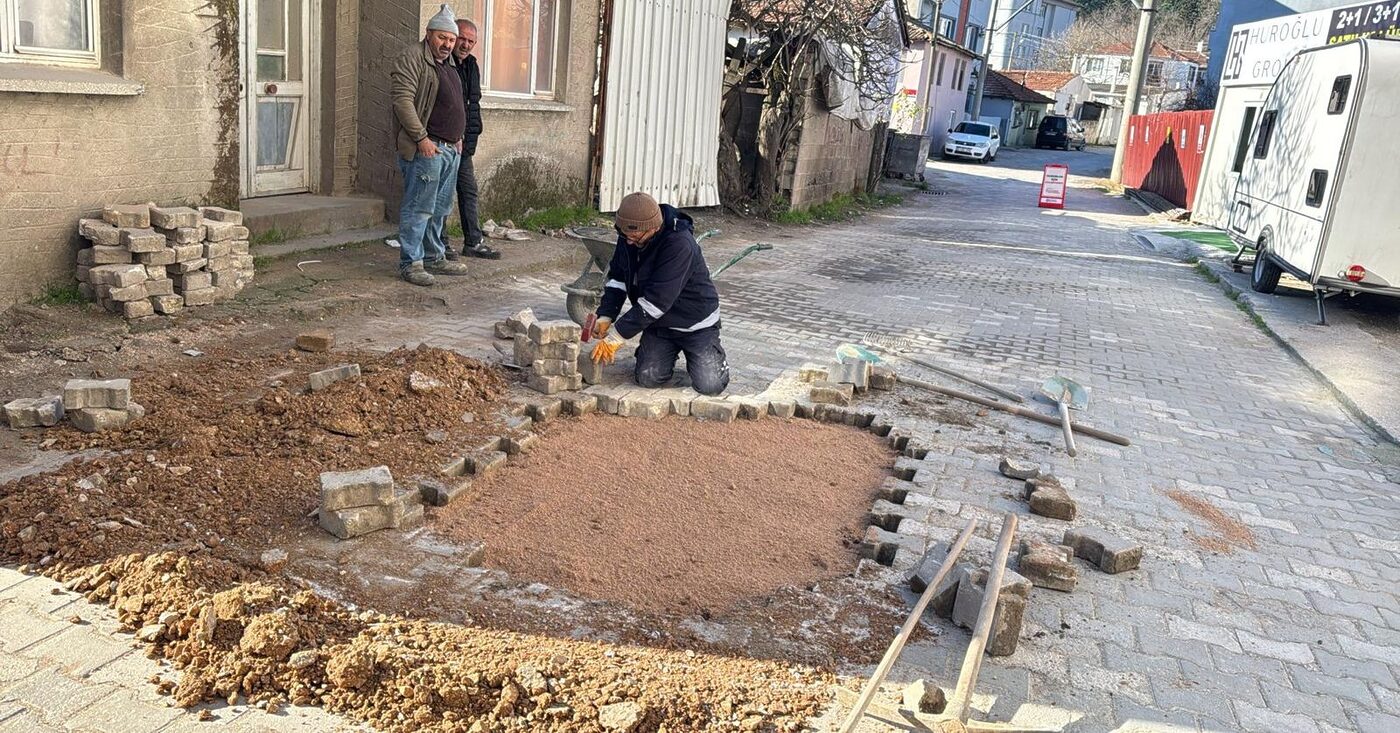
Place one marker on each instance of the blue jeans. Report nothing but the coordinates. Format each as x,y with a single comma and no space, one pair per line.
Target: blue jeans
428,187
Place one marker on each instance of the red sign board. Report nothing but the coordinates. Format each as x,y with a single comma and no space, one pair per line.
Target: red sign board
1053,184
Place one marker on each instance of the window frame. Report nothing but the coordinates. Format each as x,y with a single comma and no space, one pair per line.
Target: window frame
485,26
11,52
1264,137
1242,148
1337,103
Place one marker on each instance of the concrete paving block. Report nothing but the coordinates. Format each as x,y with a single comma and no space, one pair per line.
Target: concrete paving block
131,310
221,231
895,490
108,393
484,464
79,650
515,445
887,515
129,293
356,521
810,372
1018,469
344,489
1048,565
879,545
750,408
99,232
947,591
168,304
161,257
34,412
124,712
100,255
785,409
645,404
405,509
1050,500
855,372
174,217
118,275
554,367
317,341
138,241
542,410
193,252
226,216
135,215
442,492
554,332
591,371
157,287
905,468
548,384
186,235
218,250
326,377
609,396
883,378
184,266
715,409
831,393
1110,553
579,404
1008,616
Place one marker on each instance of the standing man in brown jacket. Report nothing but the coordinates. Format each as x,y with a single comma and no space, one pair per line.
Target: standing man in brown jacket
430,120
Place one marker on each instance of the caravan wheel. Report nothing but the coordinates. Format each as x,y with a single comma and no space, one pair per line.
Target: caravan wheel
1264,277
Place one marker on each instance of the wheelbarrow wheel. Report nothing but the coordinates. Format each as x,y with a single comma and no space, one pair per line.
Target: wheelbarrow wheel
581,306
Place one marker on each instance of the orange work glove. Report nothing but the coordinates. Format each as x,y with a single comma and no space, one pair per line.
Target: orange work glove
601,326
606,349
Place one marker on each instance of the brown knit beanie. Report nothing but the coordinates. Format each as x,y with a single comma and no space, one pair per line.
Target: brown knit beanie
638,213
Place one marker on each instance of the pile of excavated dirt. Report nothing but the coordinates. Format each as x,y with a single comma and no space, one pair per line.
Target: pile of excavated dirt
230,451
262,642
678,515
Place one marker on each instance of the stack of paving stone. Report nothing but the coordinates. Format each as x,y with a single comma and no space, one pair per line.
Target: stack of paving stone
148,259
550,351
354,503
93,405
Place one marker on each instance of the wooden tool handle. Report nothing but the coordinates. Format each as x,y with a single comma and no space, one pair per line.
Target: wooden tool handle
1069,432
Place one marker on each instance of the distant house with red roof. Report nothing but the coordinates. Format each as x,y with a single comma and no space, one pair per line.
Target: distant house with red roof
1069,90
1173,75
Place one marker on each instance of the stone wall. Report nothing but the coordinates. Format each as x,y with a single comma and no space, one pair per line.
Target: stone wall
833,157
63,156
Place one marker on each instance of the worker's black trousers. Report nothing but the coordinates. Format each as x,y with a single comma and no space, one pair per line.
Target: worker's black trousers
704,359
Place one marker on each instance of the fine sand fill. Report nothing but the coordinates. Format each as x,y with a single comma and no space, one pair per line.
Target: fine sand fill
678,515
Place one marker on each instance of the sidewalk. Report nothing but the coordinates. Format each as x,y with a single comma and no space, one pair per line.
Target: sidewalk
1357,354
65,665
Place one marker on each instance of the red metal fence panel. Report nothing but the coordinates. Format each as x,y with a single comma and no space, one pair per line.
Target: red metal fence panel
1165,152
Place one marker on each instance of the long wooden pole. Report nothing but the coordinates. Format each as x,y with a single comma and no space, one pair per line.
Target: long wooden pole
970,380
873,684
972,661
1014,410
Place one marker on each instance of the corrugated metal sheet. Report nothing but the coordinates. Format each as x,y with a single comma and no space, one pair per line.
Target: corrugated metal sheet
1165,153
661,109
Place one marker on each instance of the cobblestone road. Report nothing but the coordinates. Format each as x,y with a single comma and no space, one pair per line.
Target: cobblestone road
1300,633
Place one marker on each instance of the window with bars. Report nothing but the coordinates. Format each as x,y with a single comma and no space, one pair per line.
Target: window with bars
516,47
49,31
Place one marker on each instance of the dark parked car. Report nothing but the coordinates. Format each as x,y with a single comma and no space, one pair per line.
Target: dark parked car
1059,132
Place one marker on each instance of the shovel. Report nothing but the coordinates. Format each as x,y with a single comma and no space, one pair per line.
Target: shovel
1068,394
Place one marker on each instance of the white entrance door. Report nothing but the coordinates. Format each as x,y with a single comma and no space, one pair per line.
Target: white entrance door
277,125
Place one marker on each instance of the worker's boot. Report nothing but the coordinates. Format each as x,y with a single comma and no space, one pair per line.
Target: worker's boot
417,275
445,267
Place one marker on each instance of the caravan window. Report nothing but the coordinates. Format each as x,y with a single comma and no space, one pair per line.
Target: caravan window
1317,185
1242,148
1266,134
1338,100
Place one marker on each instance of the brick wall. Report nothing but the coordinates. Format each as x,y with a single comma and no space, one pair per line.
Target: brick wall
833,157
63,156
387,27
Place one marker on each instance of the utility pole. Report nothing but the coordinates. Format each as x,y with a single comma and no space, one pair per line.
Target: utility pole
1141,51
985,69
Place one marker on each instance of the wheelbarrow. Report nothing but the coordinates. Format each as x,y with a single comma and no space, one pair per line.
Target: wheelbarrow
586,292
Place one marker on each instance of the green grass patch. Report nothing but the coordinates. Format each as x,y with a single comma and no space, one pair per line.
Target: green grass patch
60,294
559,217
271,236
453,230
1208,237
842,207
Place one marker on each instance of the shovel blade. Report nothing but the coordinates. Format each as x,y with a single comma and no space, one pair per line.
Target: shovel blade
1066,390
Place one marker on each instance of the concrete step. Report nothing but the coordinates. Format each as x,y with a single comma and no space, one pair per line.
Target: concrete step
301,215
325,241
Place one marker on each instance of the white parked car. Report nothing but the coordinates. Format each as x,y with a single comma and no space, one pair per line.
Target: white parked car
976,140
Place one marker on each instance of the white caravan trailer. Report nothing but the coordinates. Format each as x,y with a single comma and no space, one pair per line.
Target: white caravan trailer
1319,193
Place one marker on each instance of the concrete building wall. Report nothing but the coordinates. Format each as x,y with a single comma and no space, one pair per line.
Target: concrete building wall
64,156
345,83
833,157
387,29
948,101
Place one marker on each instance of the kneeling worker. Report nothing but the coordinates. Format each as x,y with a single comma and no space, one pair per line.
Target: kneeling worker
658,267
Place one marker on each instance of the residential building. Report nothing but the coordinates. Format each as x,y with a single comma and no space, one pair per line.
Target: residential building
1069,90
1173,77
1016,109
1025,31
935,82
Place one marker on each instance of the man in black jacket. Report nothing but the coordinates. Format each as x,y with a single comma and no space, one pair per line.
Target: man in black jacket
470,72
657,265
